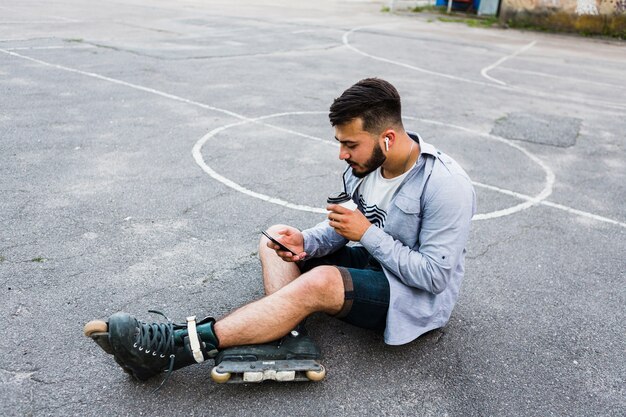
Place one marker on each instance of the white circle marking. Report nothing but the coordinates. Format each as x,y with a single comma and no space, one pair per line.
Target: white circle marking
197,155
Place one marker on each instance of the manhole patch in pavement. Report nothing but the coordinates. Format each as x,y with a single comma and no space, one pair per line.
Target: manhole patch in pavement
539,128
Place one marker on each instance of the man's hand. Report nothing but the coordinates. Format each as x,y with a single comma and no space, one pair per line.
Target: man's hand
293,239
350,224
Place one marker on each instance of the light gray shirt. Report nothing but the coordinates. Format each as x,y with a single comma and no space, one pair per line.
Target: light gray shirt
422,245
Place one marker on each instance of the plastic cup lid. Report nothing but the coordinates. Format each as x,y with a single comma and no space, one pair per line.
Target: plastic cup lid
338,198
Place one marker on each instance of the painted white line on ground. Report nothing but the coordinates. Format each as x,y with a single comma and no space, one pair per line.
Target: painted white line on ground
152,91
124,83
549,174
32,22
585,101
24,39
197,155
583,213
551,204
485,70
293,132
196,151
28,48
560,77
530,200
346,42
200,162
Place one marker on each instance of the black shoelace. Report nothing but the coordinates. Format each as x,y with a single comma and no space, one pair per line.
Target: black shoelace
157,339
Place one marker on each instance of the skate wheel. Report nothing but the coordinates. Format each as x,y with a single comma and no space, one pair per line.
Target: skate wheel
219,377
95,326
316,375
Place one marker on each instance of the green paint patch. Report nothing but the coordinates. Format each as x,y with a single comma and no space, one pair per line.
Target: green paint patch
38,259
2,259
385,9
74,40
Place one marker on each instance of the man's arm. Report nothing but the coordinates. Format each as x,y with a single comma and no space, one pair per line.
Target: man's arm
321,240
444,232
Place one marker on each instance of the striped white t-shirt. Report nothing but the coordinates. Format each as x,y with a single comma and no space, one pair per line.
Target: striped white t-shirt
375,194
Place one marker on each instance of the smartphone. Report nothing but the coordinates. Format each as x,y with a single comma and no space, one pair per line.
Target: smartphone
283,247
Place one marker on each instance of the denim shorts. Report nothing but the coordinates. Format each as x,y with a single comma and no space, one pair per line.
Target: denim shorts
365,285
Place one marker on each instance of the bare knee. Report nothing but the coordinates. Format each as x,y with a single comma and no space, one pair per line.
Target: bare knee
324,286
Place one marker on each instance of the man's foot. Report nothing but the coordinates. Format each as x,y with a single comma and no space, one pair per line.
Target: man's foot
144,350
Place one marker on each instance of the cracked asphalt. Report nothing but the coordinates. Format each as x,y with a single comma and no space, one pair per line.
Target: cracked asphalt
109,202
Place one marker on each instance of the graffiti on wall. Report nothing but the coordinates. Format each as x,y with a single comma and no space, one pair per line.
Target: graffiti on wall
589,17
575,7
586,7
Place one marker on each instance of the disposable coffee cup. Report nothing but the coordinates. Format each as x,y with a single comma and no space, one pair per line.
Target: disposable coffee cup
343,199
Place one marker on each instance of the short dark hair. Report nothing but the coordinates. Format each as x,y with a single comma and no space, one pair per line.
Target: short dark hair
375,101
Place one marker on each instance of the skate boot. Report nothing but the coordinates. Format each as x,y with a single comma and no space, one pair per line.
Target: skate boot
144,350
295,357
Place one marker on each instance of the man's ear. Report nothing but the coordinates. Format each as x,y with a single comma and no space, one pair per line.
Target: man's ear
389,138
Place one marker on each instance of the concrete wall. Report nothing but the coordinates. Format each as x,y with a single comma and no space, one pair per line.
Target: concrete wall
579,7
407,4
601,17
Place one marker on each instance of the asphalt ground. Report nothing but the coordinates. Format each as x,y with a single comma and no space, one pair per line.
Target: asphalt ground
145,144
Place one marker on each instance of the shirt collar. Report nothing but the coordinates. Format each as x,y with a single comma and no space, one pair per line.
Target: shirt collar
425,148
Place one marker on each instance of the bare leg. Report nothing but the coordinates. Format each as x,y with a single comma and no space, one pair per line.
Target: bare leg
275,315
276,272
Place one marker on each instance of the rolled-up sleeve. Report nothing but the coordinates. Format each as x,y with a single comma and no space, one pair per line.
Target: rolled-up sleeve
321,240
448,208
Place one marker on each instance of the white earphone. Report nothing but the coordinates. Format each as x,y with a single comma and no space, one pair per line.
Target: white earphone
387,144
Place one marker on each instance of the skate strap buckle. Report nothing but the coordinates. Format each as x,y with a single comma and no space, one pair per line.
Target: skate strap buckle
194,341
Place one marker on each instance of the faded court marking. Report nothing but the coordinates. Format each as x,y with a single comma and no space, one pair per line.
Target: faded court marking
485,70
510,88
251,120
528,202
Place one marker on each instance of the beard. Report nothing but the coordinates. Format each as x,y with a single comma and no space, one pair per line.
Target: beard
376,160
